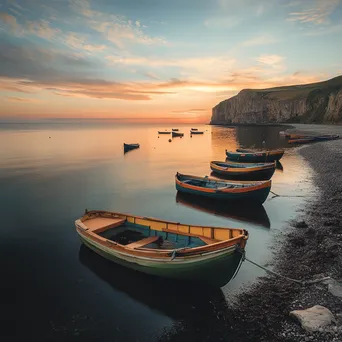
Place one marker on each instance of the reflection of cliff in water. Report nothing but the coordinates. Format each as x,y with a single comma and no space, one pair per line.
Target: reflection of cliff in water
176,300
222,138
248,213
253,136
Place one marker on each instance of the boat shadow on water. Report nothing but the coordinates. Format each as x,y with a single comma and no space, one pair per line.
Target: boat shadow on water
177,300
254,214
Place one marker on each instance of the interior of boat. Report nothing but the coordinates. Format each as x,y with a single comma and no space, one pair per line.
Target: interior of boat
135,232
237,165
215,184
133,235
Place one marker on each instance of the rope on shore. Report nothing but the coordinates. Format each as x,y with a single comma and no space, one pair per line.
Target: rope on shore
301,282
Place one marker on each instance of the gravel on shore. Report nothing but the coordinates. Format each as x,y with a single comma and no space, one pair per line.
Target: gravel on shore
312,248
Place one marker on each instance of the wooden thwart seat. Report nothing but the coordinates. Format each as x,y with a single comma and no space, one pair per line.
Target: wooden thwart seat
100,224
143,242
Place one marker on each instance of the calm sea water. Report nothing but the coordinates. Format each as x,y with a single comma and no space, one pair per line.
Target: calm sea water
53,288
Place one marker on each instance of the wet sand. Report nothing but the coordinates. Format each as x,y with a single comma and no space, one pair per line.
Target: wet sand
311,248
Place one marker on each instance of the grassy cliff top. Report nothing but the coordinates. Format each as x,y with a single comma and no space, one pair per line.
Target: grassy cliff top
296,92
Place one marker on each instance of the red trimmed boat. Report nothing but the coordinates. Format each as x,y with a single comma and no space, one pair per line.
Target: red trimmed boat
255,192
244,171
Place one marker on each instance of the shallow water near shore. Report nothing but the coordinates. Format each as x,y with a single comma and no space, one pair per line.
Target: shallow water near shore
49,174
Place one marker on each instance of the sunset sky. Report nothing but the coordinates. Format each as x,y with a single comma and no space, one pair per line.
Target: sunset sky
158,59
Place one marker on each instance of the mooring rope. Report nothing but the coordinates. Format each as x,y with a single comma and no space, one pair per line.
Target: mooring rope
277,195
301,282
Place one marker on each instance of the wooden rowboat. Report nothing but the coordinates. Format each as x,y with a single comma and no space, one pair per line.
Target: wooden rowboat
175,129
164,132
196,132
176,134
209,255
254,192
194,129
326,137
129,147
301,141
244,171
255,157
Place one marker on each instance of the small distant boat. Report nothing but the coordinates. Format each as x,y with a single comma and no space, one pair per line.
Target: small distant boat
295,136
244,171
308,139
200,254
242,155
176,134
194,129
256,191
301,140
175,129
325,137
164,132
129,147
196,132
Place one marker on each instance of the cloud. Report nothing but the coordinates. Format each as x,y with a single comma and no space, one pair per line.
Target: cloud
9,20
151,75
116,29
21,99
260,40
42,28
209,67
315,12
77,41
191,110
270,59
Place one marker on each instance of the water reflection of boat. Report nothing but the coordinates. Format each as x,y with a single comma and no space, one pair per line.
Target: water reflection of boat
255,215
175,300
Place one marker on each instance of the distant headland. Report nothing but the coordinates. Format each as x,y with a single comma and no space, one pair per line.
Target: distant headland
309,103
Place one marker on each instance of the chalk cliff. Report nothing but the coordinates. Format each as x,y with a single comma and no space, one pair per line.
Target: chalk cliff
310,103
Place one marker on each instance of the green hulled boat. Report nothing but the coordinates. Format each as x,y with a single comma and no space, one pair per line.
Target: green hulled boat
209,255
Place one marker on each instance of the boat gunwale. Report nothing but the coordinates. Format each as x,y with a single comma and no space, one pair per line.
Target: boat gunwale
256,153
269,152
164,257
83,230
247,169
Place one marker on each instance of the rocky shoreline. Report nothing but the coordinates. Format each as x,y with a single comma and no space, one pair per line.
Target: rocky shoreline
312,249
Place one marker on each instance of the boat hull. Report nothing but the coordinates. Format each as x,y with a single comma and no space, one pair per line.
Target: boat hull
196,132
215,270
263,174
256,157
176,134
129,147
